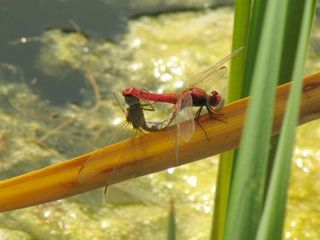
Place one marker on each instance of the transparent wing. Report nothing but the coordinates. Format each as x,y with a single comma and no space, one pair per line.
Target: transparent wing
119,133
87,170
185,117
115,95
211,72
177,113
91,168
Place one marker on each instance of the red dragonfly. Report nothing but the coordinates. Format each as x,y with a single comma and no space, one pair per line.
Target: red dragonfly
192,96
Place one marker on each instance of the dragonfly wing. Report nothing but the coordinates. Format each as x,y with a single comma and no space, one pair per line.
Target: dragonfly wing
116,97
89,168
186,118
177,119
212,71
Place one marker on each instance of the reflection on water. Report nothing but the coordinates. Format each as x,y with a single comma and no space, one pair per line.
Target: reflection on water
56,103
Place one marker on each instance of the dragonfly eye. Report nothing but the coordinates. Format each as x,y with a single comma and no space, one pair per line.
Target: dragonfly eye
214,98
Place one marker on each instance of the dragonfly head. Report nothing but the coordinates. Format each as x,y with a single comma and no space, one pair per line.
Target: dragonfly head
214,98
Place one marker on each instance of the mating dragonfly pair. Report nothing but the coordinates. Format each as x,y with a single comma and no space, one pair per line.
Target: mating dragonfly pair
137,101
183,102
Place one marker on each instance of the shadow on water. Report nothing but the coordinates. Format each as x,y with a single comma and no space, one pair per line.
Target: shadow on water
21,20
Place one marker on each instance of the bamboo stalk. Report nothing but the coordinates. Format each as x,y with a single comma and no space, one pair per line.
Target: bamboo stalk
148,153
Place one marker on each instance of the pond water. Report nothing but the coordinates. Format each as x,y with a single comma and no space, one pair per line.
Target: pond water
60,64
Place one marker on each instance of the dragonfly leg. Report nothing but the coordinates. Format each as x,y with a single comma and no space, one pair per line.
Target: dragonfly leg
214,115
198,113
202,128
198,122
146,105
105,193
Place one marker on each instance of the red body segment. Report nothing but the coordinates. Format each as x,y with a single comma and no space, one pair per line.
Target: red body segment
154,97
199,96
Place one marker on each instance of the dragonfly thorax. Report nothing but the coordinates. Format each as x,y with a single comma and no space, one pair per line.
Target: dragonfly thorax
134,113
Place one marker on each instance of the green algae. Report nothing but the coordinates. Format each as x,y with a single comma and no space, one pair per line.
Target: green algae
6,234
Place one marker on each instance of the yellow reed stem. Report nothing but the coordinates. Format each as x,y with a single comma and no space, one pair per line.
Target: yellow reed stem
149,153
